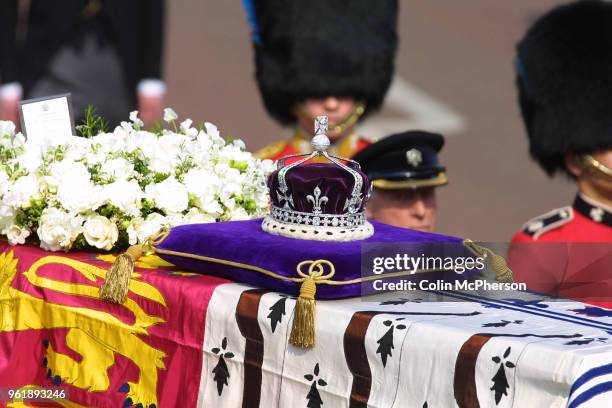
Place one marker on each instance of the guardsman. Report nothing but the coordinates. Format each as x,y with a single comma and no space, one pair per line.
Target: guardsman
322,57
565,93
405,172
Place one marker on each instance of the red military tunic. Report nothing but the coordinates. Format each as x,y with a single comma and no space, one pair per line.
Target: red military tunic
567,253
347,147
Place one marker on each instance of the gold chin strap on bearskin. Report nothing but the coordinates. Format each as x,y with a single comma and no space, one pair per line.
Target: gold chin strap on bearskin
340,127
310,274
589,162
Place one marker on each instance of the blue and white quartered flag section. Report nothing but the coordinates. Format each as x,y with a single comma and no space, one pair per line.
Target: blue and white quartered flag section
401,352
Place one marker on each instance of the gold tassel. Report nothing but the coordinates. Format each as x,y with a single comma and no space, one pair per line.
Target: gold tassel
503,273
303,329
116,285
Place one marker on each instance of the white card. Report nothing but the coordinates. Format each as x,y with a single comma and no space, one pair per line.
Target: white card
47,118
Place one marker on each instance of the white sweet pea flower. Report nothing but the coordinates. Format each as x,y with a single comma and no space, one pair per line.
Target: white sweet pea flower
187,129
169,195
170,115
119,168
267,166
213,133
194,216
67,171
136,120
110,142
140,229
100,232
238,214
22,191
17,235
7,217
58,229
4,182
7,128
202,182
125,195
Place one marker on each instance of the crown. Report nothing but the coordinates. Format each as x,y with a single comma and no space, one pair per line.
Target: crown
318,201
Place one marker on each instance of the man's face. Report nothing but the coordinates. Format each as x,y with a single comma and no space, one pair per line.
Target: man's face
336,109
406,208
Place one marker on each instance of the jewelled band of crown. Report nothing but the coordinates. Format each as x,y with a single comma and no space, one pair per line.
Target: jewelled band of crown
292,217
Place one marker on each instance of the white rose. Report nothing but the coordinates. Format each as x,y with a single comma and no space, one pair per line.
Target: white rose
79,196
17,235
58,229
169,195
100,232
170,115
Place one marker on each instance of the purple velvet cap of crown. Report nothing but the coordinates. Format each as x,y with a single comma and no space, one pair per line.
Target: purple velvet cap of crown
334,183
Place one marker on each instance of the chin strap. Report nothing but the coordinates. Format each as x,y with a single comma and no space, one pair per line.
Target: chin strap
340,127
588,163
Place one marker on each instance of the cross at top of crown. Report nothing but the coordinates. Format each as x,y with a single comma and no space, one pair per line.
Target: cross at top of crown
320,141
321,123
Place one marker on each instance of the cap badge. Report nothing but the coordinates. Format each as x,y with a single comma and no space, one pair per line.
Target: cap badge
414,157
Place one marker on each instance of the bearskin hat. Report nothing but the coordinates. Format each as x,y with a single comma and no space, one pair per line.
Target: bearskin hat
564,79
318,48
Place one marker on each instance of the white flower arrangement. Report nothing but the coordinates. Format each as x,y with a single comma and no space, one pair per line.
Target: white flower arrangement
116,189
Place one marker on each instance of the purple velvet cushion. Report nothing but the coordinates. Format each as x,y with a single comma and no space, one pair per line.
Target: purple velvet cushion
245,242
